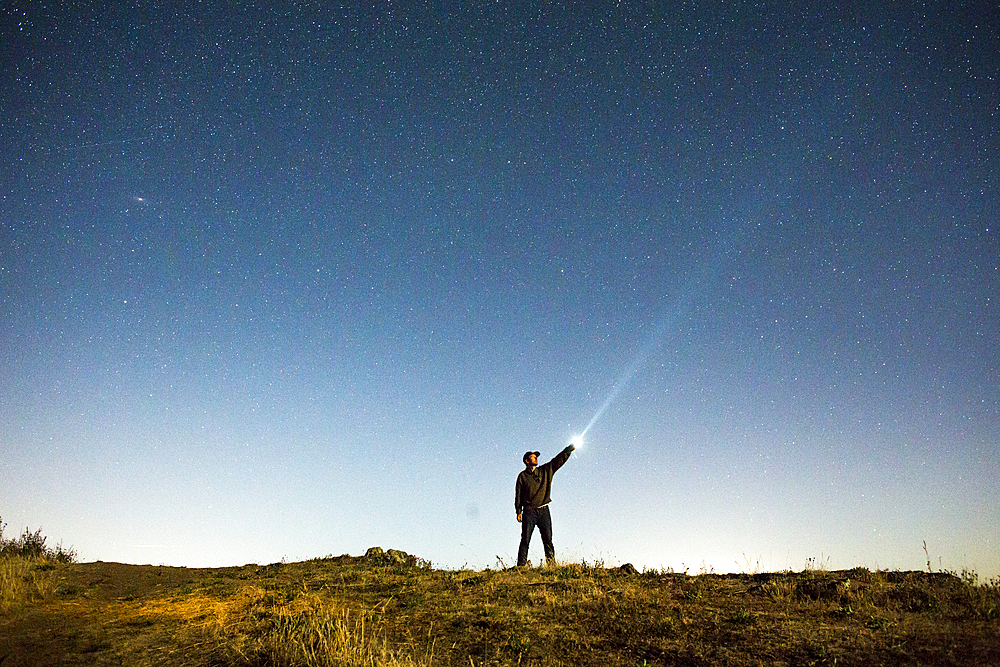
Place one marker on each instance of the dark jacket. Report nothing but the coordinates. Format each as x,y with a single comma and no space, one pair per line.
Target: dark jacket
533,488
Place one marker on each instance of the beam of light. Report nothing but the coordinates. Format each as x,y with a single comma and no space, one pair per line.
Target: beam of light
695,284
638,362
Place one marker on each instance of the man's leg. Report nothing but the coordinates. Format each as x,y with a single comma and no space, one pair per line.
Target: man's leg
528,519
545,528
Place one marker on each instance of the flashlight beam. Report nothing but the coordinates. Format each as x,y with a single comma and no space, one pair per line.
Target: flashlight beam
695,284
631,369
666,322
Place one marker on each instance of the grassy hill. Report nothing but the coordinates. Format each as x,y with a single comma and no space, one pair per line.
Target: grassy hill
393,609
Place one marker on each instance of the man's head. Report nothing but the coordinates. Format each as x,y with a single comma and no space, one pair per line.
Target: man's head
530,460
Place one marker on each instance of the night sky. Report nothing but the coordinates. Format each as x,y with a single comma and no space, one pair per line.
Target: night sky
283,282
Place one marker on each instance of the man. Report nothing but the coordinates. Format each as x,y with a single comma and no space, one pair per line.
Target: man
531,501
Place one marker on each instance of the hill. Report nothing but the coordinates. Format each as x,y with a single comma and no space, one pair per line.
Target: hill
389,608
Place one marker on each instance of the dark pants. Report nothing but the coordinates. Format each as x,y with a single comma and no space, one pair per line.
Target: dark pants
530,518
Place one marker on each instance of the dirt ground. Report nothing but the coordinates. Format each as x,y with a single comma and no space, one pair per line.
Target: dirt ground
76,629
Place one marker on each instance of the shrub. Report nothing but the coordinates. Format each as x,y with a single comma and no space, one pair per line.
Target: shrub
32,545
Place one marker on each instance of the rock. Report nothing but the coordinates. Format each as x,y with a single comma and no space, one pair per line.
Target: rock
628,568
397,557
376,556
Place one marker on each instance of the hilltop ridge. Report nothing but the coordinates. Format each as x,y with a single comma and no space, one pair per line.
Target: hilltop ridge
391,608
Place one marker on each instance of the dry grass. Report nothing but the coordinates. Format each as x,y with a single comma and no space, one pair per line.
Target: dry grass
353,611
261,626
25,579
27,567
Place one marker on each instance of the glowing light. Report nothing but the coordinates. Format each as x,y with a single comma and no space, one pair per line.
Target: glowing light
638,362
576,441
668,322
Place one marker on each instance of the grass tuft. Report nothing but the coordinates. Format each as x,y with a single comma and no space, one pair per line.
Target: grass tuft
261,626
27,568
24,580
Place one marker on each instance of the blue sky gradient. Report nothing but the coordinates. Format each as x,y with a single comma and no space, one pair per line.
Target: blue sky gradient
286,282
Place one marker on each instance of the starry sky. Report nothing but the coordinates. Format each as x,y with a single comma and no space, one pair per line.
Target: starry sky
288,280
